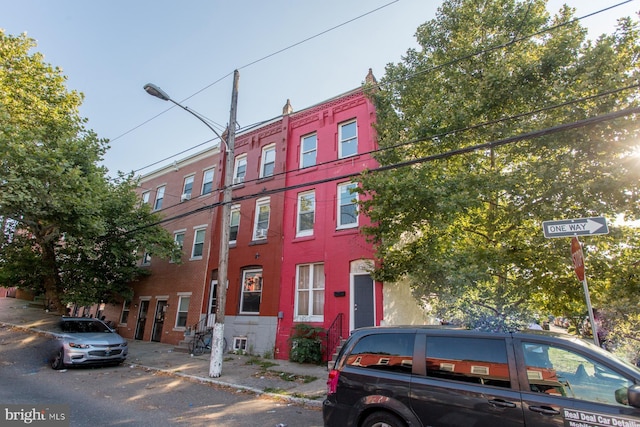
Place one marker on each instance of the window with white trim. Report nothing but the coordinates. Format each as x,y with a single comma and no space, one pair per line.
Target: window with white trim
234,224
178,239
207,181
306,213
187,188
251,291
308,150
124,316
261,225
347,205
240,169
146,258
198,243
183,311
347,139
309,293
159,198
268,161
145,197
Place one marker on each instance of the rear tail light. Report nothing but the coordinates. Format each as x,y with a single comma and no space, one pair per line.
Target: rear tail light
332,381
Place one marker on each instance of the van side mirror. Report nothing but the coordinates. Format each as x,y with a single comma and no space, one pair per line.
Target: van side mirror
633,396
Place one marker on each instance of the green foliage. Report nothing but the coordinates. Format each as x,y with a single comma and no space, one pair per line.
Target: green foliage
306,344
467,228
68,230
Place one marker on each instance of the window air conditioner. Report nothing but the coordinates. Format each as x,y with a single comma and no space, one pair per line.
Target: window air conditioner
185,196
261,233
238,180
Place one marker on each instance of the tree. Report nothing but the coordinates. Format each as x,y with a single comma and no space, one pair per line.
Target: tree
466,227
68,230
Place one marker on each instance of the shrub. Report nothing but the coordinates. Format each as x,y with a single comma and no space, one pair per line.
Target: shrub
306,344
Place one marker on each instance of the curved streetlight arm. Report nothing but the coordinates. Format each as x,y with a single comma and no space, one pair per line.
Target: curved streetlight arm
154,90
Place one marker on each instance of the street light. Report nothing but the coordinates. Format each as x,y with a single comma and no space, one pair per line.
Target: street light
217,348
154,90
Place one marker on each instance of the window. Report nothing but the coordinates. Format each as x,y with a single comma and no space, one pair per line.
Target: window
124,317
348,139
145,197
391,352
207,181
159,198
240,169
178,238
261,225
187,188
306,213
560,372
146,258
347,208
472,360
234,224
268,161
198,243
183,310
310,293
308,150
251,292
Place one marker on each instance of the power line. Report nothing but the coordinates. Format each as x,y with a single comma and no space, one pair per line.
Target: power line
433,157
436,67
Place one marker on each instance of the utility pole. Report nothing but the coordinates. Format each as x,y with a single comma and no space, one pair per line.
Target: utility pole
217,349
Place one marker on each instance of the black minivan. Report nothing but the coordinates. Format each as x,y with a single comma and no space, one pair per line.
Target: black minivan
425,376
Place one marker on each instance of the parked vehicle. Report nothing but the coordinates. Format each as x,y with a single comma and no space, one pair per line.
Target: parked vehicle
86,341
425,376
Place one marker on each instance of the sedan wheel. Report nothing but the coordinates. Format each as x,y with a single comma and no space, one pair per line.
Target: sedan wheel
57,362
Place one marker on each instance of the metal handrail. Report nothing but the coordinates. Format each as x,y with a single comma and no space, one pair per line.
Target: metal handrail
334,335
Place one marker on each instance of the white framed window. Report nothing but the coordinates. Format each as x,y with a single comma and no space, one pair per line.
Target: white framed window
347,205
234,224
159,198
187,188
306,213
146,258
183,311
145,197
124,316
268,161
251,291
198,243
347,139
308,150
261,225
309,304
207,181
240,169
178,238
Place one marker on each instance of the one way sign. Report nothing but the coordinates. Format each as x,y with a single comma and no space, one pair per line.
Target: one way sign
575,227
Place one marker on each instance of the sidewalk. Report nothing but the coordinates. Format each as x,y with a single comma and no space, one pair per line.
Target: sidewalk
281,379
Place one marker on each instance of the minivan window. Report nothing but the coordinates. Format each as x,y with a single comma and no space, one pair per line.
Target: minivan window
561,372
474,360
389,352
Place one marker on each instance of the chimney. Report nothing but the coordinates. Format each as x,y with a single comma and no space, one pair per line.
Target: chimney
370,79
287,109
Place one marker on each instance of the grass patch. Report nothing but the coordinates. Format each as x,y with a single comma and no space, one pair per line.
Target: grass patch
264,364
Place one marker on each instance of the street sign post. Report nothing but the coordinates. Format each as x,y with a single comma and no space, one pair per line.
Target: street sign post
578,262
575,227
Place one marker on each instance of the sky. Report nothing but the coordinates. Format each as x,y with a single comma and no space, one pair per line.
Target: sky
302,50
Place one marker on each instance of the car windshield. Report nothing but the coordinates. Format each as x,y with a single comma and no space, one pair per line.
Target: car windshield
84,326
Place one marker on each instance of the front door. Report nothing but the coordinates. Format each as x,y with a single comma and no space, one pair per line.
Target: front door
158,321
142,319
363,307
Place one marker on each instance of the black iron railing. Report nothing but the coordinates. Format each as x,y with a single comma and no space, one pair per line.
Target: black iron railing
334,335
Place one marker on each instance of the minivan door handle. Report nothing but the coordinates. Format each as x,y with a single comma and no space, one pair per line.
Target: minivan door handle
502,403
546,410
